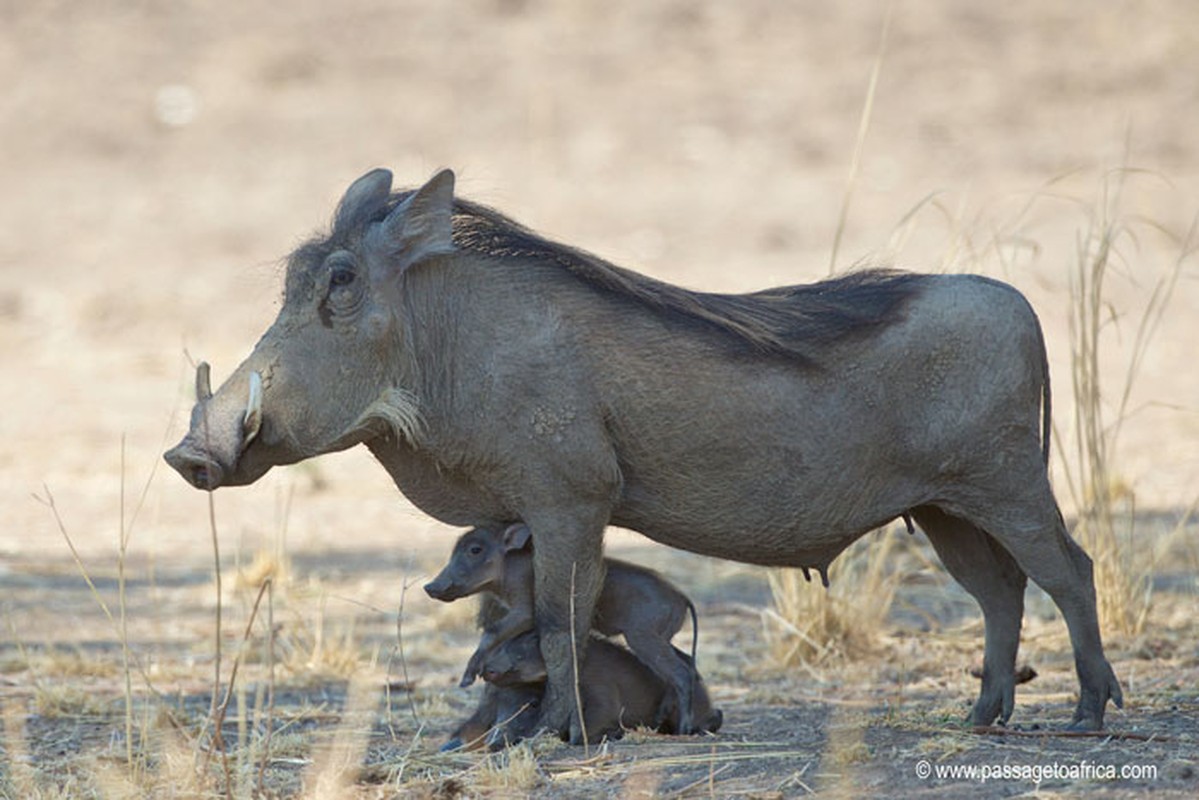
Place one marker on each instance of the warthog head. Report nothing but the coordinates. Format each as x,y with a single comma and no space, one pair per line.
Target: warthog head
477,563
330,371
515,662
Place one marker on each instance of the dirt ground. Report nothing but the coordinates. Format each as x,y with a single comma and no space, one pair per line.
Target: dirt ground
160,159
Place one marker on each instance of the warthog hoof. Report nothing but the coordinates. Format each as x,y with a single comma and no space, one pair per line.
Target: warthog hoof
1092,702
1091,719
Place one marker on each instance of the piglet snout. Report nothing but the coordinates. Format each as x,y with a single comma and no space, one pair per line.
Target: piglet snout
439,590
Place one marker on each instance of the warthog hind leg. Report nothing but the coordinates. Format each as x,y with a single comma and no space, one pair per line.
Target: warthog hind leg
991,575
1025,519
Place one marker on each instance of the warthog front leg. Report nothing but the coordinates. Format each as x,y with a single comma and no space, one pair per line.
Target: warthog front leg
568,572
472,730
511,625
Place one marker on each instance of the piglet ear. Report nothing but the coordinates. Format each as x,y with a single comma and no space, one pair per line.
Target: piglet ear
364,197
516,537
421,226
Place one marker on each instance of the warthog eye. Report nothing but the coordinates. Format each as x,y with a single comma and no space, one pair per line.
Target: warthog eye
475,549
343,294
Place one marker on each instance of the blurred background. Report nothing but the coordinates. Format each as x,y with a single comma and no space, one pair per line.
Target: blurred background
160,159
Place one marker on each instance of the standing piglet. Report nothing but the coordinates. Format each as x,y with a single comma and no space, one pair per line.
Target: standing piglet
635,602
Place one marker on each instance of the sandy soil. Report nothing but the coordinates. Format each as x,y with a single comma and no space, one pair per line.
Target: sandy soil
160,160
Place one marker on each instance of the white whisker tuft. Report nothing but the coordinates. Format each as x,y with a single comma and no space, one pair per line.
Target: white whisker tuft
398,410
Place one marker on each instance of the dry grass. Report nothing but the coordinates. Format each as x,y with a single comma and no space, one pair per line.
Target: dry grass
515,771
1106,525
67,662
191,758
855,163
810,626
69,700
267,565
313,650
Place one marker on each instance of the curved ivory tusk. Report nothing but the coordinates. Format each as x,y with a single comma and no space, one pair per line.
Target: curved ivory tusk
252,421
203,382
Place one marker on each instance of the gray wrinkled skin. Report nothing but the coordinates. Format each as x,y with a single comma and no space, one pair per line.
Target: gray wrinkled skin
498,377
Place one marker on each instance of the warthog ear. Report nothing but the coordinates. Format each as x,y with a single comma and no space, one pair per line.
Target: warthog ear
516,537
421,225
364,196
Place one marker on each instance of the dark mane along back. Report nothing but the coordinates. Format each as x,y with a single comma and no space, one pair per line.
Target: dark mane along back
792,321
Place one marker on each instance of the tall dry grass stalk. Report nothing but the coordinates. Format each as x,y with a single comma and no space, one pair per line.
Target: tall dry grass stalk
810,627
71,701
397,654
122,551
574,661
128,658
1106,525
270,688
855,164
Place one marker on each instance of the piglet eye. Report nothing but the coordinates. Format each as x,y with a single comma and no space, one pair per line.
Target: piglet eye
341,276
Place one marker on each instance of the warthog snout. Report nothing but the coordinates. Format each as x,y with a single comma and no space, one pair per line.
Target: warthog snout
198,470
219,433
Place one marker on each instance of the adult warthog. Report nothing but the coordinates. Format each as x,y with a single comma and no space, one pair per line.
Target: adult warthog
500,377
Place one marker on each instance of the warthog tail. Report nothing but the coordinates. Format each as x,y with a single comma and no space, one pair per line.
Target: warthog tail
1046,399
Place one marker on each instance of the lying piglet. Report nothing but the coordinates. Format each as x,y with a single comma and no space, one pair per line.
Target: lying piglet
635,602
513,709
617,690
